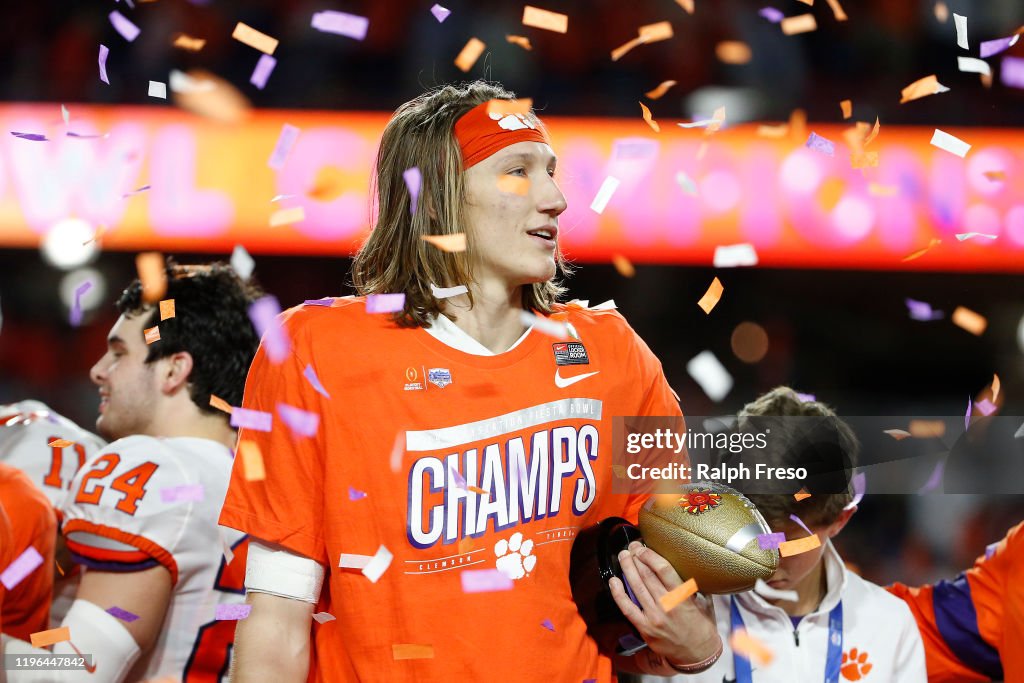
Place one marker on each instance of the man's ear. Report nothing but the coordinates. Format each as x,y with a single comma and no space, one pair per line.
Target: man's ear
175,371
841,521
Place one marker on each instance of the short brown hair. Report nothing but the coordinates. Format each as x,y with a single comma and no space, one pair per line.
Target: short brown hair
394,257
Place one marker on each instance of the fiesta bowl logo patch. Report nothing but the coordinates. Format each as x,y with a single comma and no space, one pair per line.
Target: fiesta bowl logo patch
699,501
570,353
440,377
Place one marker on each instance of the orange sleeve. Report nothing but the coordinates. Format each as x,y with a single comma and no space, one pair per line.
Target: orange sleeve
5,555
285,508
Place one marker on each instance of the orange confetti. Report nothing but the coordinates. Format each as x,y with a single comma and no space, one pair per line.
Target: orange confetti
733,52
152,275
995,387
798,125
470,53
287,216
623,265
96,236
246,34
514,184
750,647
450,243
220,404
847,107
879,190
542,18
807,2
408,651
965,318
212,97
60,443
61,571
830,193
152,334
802,23
252,461
927,429
712,296
922,87
626,47
837,10
465,545
802,494
687,5
649,119
995,176
800,545
166,309
921,252
678,595
50,637
773,131
941,12
187,42
652,33
717,119
866,160
897,434
660,90
506,107
476,489
521,41
328,184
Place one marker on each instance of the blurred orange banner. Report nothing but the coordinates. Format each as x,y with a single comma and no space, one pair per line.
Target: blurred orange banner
210,187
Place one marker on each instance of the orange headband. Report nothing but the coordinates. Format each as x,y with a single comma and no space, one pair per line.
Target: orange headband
482,133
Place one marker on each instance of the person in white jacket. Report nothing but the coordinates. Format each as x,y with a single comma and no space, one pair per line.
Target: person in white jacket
814,619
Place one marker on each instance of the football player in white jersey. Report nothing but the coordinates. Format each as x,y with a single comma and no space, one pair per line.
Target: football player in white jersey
142,514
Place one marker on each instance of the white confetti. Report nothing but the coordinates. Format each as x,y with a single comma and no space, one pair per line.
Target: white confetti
158,89
552,328
961,30
376,567
608,187
973,65
711,375
241,262
950,143
733,255
446,292
350,561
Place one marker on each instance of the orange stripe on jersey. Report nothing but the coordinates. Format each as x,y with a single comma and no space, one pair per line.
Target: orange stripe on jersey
148,547
107,554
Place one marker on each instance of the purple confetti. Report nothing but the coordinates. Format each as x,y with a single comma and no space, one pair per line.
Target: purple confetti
289,134
341,23
385,303
231,612
994,47
548,625
137,191
355,494
184,493
263,312
104,51
967,416
460,481
860,487
310,374
919,310
771,14
76,305
122,614
801,523
1011,73
806,398
820,144
440,13
34,137
251,419
85,136
327,301
934,480
413,181
990,550
771,541
24,565
264,67
301,422
985,407
484,581
124,26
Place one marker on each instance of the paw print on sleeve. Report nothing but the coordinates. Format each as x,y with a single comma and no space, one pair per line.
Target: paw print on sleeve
515,556
855,665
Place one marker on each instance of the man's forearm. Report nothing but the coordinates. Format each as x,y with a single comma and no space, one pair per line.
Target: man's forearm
644,662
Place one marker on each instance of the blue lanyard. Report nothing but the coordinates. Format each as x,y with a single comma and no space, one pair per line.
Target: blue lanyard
833,660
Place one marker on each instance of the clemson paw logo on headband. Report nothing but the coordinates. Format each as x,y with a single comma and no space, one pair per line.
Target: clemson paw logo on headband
514,121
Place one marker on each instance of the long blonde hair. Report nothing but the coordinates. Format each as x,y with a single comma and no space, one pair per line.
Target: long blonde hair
394,258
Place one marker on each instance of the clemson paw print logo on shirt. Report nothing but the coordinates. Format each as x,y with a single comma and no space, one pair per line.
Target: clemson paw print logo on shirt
515,556
513,121
855,665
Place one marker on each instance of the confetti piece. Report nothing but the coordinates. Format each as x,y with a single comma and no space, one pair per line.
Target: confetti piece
152,334
409,651
927,429
735,255
76,304
712,296
326,302
967,415
241,262
252,461
158,89
104,53
355,494
837,10
1011,73
649,119
941,12
961,236
547,326
477,489
23,565
799,546
397,451
860,487
678,595
750,647
652,33
542,18
994,47
711,375
166,309
548,625
184,493
604,194
801,495
34,137
413,182
341,23
990,550
285,142
969,320
50,637
187,42
995,387
247,418
247,35
440,13
797,519
766,591
485,581
469,54
288,216
934,480
61,571
522,105
921,252
323,617
961,30
686,183
623,265
124,26
263,313
385,303
521,41
771,14
231,612
733,52
770,541
618,52
447,292
658,92
152,275
687,5
985,407
897,434
922,87
300,422
919,310
847,108
220,404
802,23
225,548
820,144
181,82
353,561
378,565
260,74
995,176
310,374
60,443
514,185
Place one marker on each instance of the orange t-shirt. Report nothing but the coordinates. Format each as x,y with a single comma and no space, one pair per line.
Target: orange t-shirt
26,607
6,555
973,626
410,428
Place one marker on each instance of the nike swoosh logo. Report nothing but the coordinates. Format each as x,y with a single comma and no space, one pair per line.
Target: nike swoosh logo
91,668
563,382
